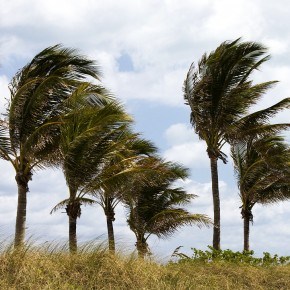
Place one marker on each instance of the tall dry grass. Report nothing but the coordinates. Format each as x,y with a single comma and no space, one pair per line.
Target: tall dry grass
52,267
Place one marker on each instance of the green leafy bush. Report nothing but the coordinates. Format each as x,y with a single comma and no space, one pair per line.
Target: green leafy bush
227,255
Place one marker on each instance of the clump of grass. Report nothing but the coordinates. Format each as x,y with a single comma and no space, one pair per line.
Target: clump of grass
50,266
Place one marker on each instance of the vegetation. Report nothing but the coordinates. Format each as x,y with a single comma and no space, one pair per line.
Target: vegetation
60,115
56,117
31,134
116,175
220,93
262,169
94,268
88,138
154,207
245,257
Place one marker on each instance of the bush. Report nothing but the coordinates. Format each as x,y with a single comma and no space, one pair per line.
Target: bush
246,257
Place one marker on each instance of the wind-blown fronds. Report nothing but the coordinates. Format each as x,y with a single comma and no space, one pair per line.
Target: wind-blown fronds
262,169
156,207
63,204
37,105
220,94
5,145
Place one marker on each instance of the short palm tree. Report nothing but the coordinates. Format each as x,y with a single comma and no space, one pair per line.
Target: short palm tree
37,93
220,94
90,134
263,174
108,188
156,207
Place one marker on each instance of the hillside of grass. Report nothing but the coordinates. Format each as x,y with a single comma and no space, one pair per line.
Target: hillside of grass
52,268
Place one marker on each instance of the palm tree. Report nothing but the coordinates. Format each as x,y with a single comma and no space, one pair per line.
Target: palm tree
37,93
90,134
108,188
155,207
220,95
263,174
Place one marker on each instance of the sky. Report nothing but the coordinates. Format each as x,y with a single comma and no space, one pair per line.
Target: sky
145,49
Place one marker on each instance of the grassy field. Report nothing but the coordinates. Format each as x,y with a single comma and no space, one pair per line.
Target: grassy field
50,268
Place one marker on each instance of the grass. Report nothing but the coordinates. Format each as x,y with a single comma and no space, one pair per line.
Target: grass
51,267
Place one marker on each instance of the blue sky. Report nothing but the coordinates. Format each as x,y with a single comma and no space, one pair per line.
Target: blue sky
145,49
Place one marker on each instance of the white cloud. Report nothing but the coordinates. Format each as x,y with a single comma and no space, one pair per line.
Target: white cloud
191,154
4,93
186,148
233,19
179,133
276,46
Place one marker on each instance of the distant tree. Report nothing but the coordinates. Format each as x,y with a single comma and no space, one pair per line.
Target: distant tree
263,174
31,131
156,207
220,94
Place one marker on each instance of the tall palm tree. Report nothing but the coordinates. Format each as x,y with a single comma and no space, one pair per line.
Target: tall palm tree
220,94
37,93
263,174
90,134
156,207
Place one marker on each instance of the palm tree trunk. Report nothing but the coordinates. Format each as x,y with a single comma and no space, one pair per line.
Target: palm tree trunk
110,215
142,247
21,213
73,210
246,232
72,234
216,203
22,184
111,237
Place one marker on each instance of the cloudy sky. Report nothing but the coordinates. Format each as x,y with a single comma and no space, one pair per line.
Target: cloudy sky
145,49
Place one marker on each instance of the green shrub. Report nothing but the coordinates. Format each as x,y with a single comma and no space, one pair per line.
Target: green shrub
227,255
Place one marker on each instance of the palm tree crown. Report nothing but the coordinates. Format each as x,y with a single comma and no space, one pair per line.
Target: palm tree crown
156,207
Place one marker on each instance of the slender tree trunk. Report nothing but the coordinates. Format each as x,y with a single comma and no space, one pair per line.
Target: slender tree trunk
72,234
216,203
111,237
73,210
142,247
21,212
246,232
110,215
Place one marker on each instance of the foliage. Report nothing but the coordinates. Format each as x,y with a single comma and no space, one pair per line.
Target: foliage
29,139
245,257
51,267
261,165
157,207
220,94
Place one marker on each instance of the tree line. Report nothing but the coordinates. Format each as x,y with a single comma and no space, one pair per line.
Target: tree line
60,115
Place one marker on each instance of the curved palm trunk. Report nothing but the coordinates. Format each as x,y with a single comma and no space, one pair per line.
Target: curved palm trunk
21,210
246,232
216,203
